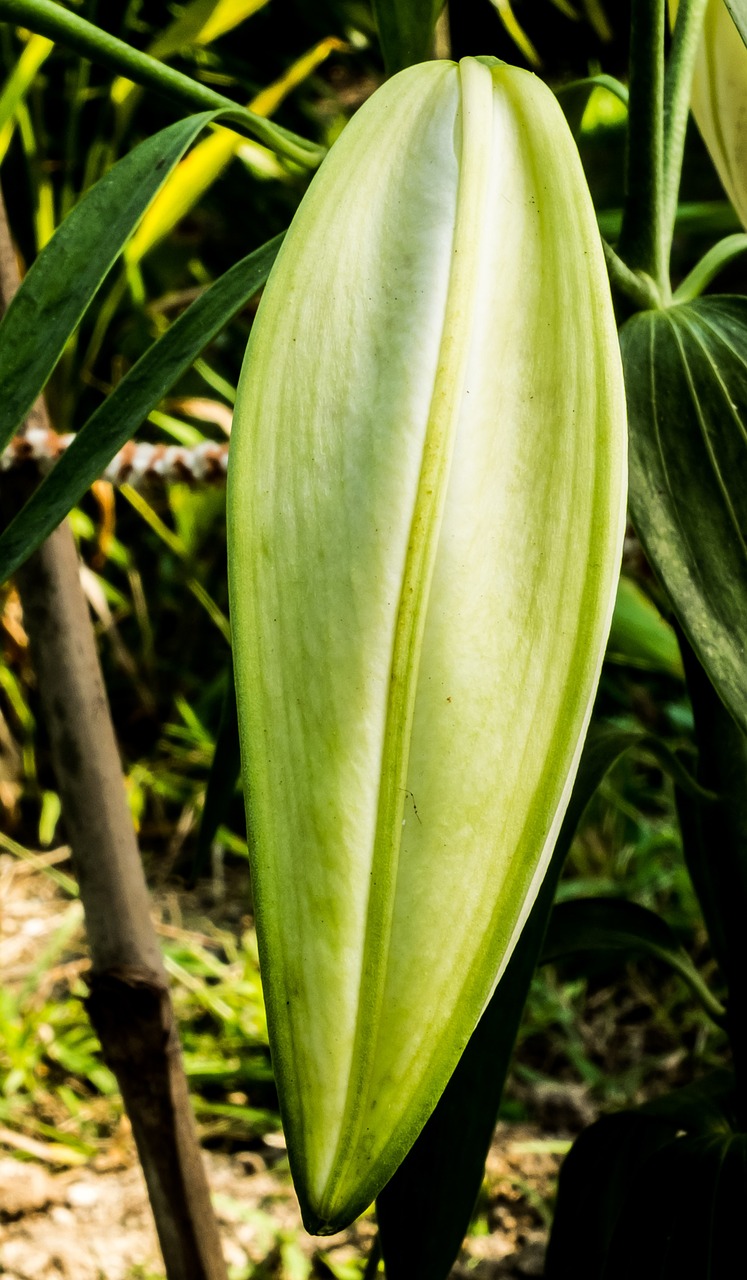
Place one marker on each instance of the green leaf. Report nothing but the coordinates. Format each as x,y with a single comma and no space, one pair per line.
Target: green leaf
406,30
686,378
61,283
602,924
129,404
641,1192
424,1210
610,924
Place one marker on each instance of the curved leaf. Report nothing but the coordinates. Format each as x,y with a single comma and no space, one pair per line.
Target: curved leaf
686,378
673,1222
612,924
719,93
130,403
640,1192
606,924
65,277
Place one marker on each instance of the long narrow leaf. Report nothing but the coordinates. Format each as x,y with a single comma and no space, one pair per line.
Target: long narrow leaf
68,272
613,924
129,404
639,635
201,22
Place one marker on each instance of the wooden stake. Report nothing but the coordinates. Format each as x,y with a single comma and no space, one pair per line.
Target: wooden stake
129,1004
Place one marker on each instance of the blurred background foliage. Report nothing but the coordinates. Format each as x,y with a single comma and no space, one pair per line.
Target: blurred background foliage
154,570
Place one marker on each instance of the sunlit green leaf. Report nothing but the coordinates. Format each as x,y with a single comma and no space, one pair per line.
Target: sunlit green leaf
719,93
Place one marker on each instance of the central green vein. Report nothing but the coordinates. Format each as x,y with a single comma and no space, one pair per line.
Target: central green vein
476,127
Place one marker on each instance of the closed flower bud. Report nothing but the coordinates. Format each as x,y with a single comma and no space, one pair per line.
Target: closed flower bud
719,99
426,501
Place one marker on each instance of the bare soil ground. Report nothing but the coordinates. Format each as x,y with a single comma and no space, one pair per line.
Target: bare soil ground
92,1221
83,1224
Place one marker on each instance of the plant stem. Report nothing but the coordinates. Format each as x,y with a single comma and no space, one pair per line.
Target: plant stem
715,840
709,266
636,286
677,91
49,19
642,242
129,1004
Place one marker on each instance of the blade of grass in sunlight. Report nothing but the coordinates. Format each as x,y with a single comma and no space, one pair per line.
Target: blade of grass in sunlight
17,85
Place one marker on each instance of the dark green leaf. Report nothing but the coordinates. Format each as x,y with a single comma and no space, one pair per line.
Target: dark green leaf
686,378
130,403
64,278
639,1191
612,924
224,775
594,1180
714,838
425,1209
670,1225
406,30
606,924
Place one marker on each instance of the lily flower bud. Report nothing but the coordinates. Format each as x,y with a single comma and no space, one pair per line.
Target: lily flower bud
426,512
719,99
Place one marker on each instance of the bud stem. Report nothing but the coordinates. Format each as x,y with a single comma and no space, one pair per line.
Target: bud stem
643,244
677,91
